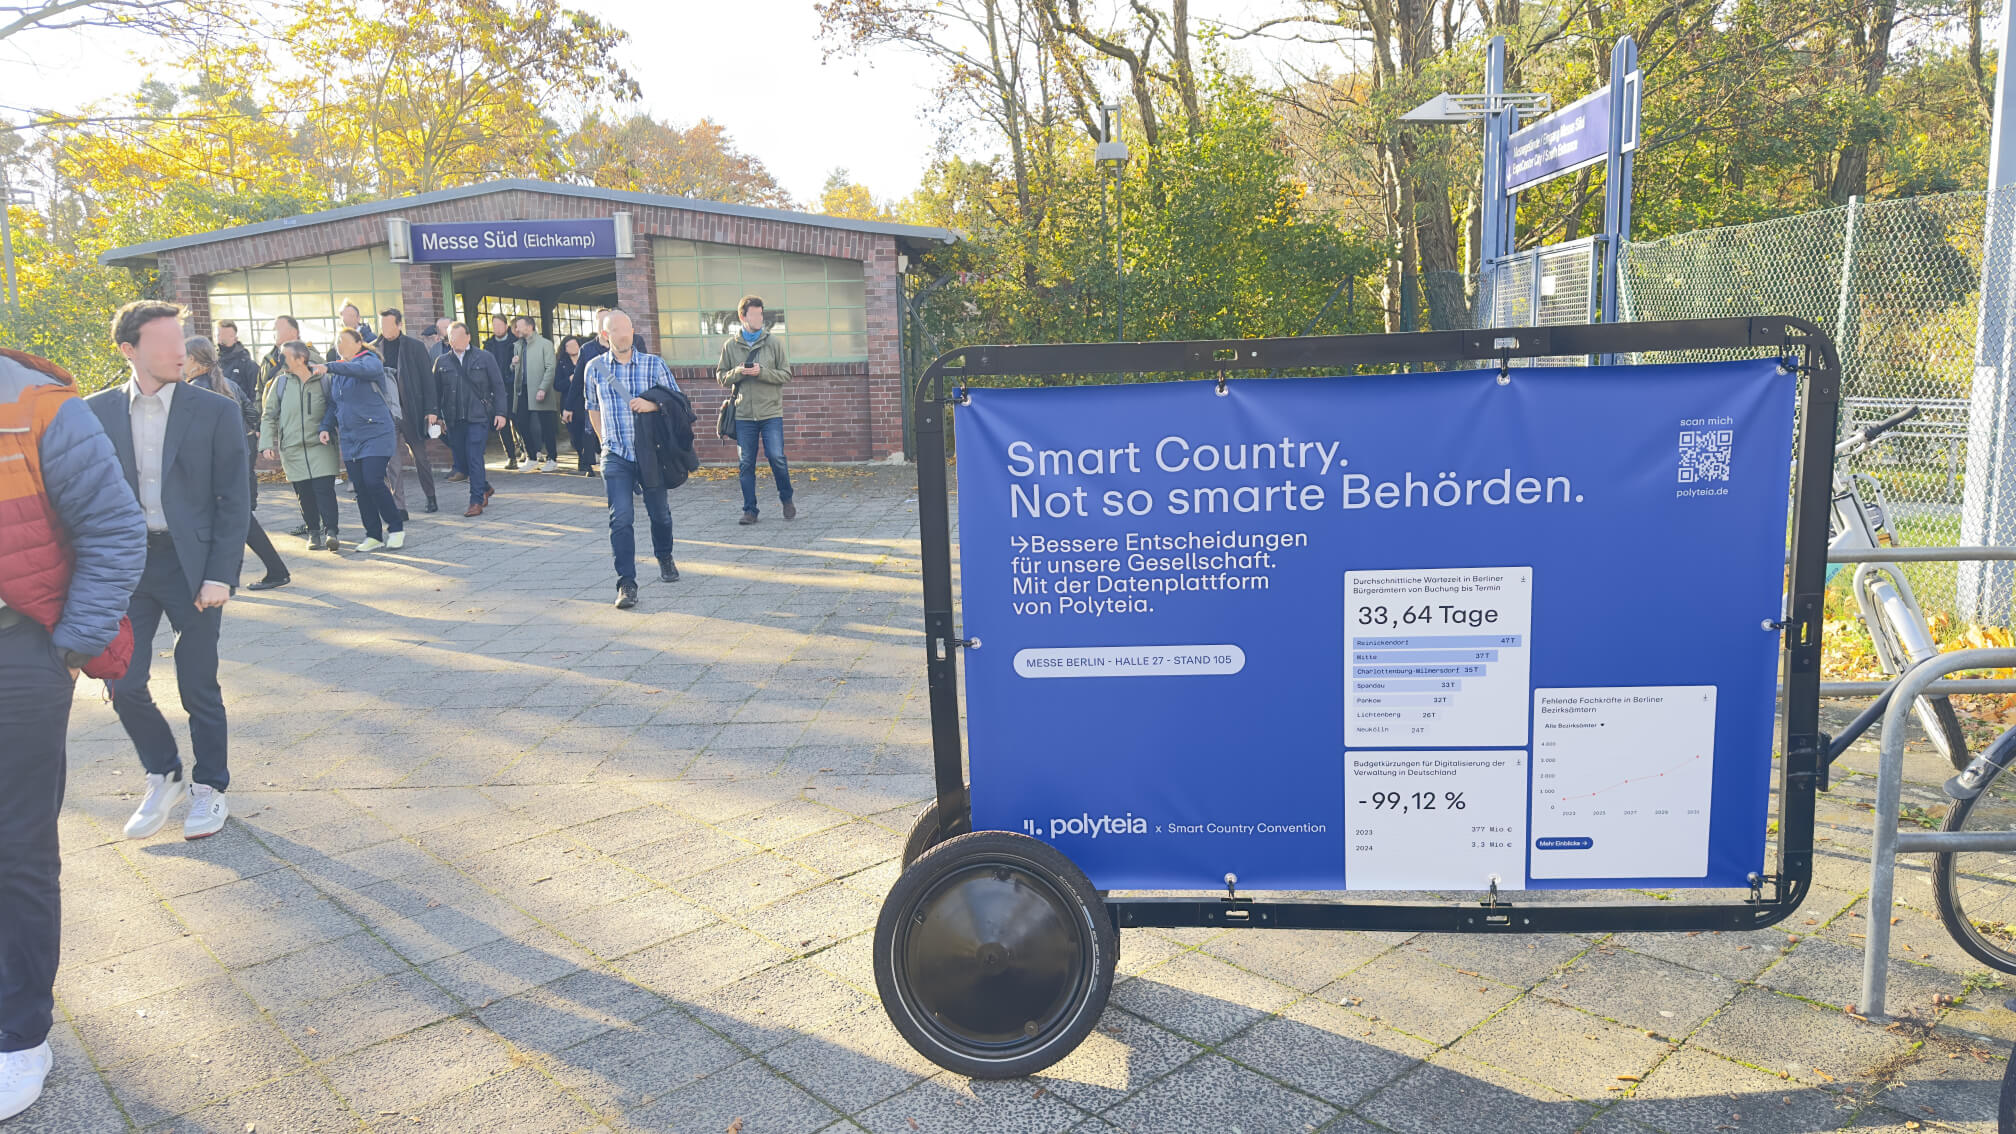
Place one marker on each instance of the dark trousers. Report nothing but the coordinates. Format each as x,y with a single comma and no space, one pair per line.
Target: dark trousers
35,692
541,431
510,438
374,498
620,481
416,439
165,590
770,432
318,502
269,556
586,444
473,438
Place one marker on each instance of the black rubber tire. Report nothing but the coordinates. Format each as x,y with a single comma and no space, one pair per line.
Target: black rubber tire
924,833
1949,888
1949,738
2005,1110
977,931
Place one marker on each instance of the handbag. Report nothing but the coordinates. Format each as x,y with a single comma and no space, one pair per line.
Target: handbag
724,425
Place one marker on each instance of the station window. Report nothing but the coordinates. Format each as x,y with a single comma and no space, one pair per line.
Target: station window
312,290
817,303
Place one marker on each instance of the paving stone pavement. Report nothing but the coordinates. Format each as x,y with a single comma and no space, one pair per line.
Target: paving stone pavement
506,859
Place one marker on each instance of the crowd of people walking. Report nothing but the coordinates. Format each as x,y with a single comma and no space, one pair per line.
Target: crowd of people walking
136,504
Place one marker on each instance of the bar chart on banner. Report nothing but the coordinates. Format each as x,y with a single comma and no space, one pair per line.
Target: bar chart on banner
1437,658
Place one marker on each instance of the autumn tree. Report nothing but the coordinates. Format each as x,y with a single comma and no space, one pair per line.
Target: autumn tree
644,154
425,94
843,196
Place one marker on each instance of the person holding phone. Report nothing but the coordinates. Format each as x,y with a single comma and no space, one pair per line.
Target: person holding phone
754,365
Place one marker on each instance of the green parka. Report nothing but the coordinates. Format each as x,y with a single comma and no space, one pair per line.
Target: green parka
759,397
292,423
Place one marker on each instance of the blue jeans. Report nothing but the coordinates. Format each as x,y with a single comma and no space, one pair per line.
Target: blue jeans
620,480
771,433
374,500
473,441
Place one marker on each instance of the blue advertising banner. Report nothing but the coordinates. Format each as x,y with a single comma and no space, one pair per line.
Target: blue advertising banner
1575,136
1394,632
514,240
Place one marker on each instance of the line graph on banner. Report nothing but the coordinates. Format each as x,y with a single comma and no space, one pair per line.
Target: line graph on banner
1688,762
1623,777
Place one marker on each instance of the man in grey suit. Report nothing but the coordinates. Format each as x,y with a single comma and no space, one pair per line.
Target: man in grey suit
183,453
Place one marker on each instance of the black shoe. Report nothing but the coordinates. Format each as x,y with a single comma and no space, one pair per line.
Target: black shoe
511,465
300,531
592,474
790,510
269,582
747,519
314,539
626,594
432,506
668,571
330,542
458,477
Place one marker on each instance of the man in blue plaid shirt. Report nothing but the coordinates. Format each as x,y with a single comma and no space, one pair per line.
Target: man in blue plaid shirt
616,382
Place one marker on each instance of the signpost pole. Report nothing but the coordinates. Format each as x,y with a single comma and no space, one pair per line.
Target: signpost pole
1988,506
1617,178
1493,239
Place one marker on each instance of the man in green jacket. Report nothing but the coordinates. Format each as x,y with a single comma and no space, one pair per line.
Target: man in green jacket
534,405
755,366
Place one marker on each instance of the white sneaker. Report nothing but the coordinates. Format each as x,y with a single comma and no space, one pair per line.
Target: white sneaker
370,544
207,812
162,796
550,466
21,1076
395,540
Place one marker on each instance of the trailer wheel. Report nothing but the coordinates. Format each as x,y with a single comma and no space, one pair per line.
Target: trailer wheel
994,955
924,834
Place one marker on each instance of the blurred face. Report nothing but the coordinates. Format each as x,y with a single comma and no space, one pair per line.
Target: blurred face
441,325
458,339
573,348
753,317
621,333
388,326
351,316
284,332
497,327
523,328
296,363
227,336
158,355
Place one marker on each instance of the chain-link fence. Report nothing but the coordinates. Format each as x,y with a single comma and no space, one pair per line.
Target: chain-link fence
1897,285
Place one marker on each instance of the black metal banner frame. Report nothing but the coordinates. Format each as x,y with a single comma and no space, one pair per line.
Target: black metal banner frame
1773,896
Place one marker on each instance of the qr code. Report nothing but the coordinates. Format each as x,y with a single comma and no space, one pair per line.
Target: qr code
1704,454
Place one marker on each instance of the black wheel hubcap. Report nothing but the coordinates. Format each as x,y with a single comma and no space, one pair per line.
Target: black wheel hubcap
995,956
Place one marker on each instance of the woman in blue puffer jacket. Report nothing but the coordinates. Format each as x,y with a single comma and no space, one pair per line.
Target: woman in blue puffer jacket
359,412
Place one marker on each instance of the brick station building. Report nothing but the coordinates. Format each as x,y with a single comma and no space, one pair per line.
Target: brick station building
832,288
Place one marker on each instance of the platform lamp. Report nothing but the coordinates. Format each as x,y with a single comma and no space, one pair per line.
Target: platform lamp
1111,156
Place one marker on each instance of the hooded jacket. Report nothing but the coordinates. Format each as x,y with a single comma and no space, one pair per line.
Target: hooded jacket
358,407
759,397
289,422
73,541
665,456
236,363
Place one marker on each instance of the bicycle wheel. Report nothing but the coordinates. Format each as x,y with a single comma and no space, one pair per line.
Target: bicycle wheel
1936,716
1976,890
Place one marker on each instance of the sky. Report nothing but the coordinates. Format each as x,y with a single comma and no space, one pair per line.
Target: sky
782,100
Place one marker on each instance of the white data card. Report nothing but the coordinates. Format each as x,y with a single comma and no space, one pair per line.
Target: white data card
1437,658
1435,820
1622,778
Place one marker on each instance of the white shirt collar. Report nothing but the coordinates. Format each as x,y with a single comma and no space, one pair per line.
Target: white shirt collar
167,392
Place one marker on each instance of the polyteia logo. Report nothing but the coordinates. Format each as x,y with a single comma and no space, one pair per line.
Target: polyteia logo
1086,824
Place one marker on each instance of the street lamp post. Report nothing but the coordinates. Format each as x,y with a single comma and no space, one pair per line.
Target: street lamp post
1112,154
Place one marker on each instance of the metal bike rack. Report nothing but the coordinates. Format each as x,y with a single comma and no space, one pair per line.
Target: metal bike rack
1890,842
1891,555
